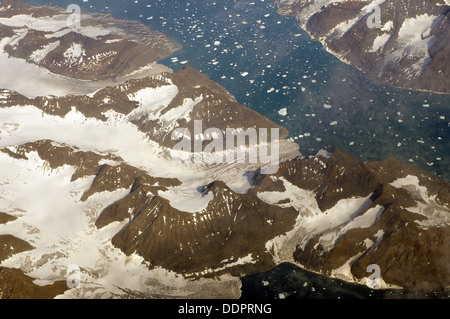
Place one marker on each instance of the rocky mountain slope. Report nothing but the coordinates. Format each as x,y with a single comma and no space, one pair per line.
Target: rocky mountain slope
100,47
44,52
92,181
408,49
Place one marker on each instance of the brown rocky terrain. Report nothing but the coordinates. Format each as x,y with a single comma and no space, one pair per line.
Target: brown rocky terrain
14,284
409,49
411,248
81,53
409,255
11,245
4,218
330,213
217,108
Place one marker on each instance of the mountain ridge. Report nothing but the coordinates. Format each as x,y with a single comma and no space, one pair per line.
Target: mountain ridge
393,53
89,179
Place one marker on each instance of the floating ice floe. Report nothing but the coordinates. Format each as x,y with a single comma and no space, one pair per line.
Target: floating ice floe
283,112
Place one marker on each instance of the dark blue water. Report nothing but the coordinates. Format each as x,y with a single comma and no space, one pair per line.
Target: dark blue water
268,64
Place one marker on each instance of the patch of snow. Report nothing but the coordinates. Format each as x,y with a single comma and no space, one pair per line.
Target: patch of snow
38,55
331,237
74,54
324,153
380,42
183,111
